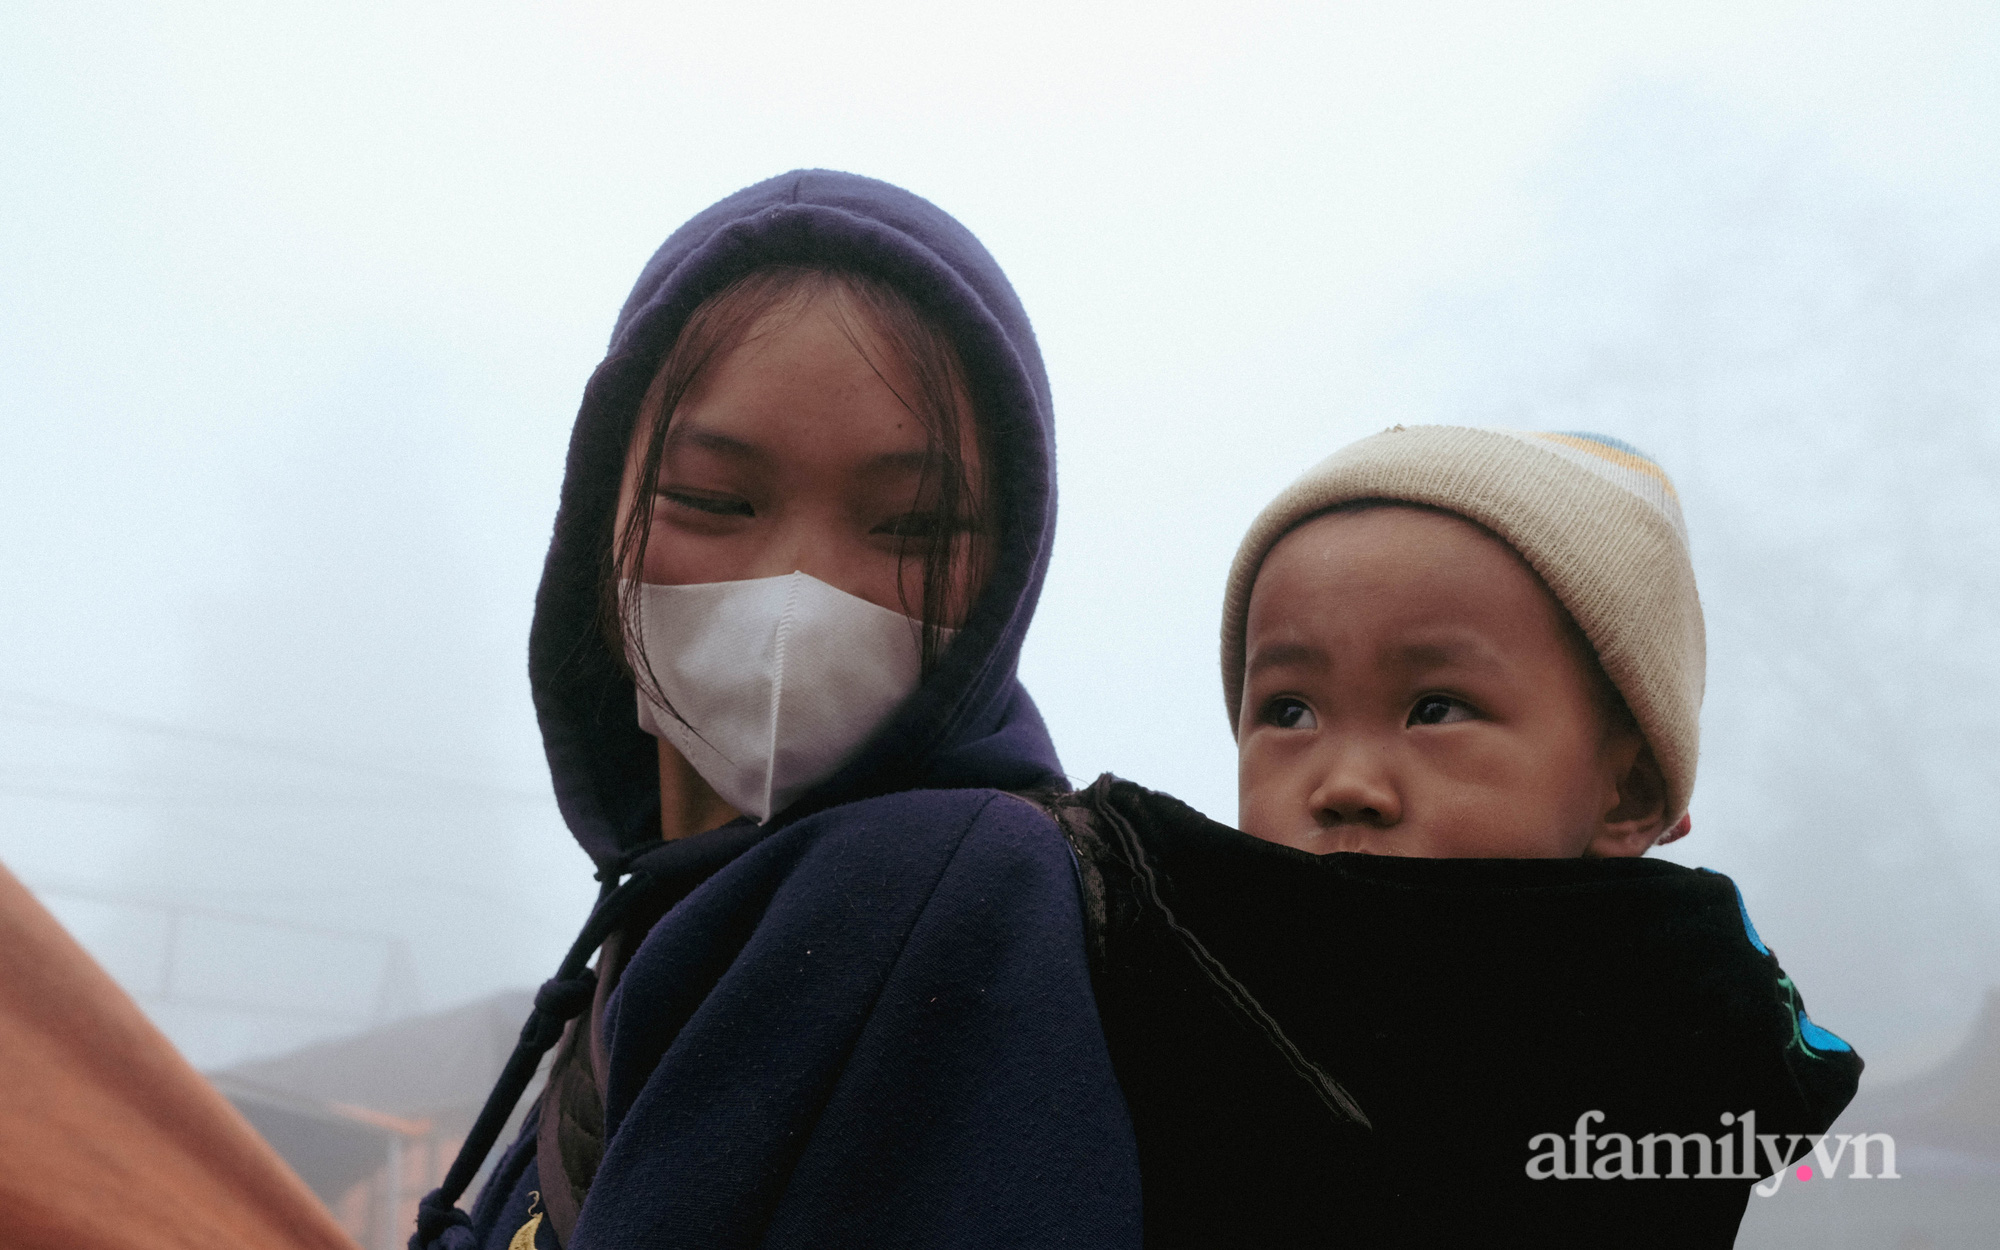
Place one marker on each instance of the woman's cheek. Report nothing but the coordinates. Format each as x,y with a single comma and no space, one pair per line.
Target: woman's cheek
973,567
675,557
958,603
906,579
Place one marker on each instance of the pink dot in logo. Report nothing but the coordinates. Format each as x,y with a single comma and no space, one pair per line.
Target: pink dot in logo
1804,1174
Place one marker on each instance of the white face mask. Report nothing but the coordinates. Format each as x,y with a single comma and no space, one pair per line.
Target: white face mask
780,680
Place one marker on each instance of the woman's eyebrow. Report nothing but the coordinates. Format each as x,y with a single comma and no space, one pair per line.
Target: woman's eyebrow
742,449
721,444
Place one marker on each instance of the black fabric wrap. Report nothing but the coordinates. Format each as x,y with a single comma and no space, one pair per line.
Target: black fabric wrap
1467,1005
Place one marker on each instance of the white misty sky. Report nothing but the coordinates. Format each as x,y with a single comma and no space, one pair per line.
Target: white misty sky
296,304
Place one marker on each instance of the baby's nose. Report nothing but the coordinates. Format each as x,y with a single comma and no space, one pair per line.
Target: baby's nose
1356,790
1335,815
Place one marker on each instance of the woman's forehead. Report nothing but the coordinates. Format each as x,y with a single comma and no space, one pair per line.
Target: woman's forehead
802,385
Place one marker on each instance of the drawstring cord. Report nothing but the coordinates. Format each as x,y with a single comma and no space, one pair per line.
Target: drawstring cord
562,998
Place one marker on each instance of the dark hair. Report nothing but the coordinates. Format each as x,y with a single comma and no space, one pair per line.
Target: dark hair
869,311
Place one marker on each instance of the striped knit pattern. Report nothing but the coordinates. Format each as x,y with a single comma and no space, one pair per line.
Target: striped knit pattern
1595,517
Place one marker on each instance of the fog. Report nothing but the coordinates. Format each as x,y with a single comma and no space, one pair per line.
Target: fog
296,307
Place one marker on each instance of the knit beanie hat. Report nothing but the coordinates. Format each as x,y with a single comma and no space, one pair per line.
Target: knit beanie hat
1595,517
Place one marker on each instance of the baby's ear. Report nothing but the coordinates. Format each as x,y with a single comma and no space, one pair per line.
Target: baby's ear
1638,818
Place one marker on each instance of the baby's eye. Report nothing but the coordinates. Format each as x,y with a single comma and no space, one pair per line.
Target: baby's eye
712,505
1439,709
1285,712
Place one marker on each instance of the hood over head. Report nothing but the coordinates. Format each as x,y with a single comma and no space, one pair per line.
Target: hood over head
970,723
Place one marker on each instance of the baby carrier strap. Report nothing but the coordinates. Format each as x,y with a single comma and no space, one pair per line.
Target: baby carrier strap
647,878
1120,886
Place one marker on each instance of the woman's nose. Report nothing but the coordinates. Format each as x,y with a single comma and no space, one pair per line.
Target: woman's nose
798,549
817,551
1356,787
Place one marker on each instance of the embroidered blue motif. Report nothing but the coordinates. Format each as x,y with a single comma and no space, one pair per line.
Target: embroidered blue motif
1818,1038
1749,929
1806,1035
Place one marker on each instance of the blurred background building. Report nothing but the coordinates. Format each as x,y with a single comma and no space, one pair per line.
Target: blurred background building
373,1121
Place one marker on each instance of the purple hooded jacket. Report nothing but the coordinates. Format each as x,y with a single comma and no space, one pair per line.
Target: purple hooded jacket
869,1021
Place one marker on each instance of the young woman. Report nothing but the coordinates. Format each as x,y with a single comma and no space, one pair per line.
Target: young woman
842,994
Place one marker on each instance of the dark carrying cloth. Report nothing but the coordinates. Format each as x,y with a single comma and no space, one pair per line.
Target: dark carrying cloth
1465,1005
868,1021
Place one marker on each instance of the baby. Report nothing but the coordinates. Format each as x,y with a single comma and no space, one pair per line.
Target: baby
1473,660
1467,643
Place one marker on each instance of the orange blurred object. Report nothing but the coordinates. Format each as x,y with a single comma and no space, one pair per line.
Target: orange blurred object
109,1139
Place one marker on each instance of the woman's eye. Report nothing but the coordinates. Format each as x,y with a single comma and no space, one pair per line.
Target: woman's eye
1439,709
712,505
1289,713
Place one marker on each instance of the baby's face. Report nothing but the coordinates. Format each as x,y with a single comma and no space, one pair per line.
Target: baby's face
1412,688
